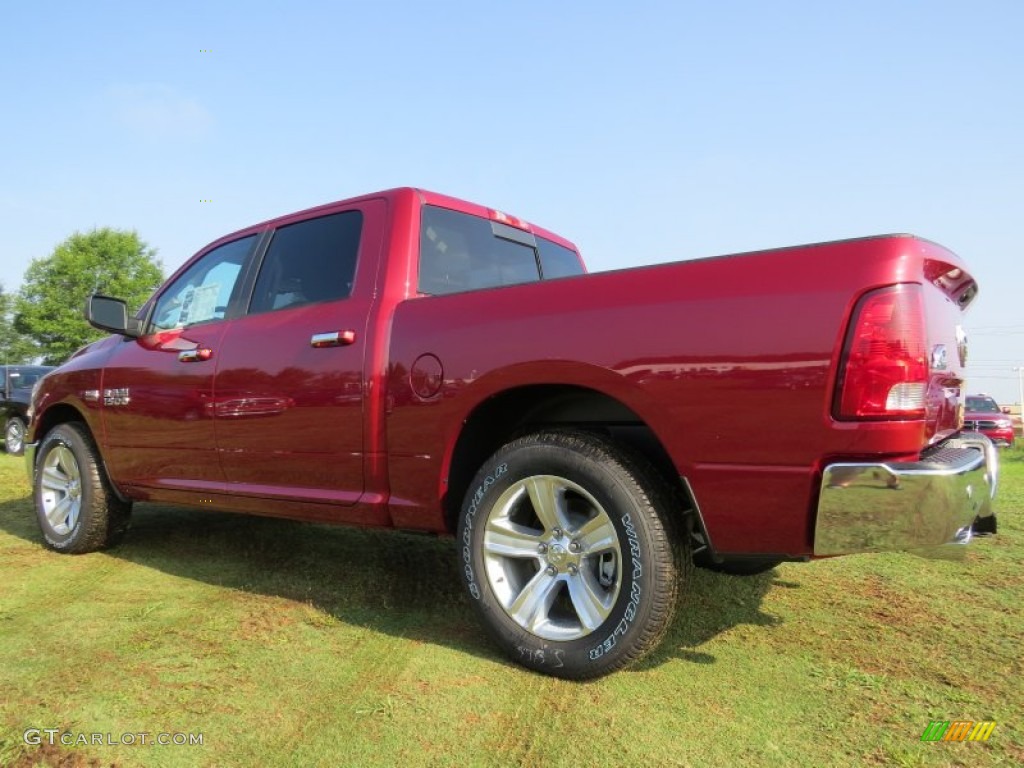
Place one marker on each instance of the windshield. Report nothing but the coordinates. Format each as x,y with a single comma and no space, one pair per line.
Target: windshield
982,405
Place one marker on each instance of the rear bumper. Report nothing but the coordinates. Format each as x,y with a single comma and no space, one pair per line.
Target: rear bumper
916,506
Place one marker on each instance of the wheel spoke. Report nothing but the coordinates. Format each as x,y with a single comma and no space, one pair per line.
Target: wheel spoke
76,508
597,535
59,514
508,539
53,479
60,461
530,608
588,599
548,501
67,460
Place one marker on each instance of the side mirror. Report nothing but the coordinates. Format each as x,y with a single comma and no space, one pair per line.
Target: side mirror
111,315
1006,409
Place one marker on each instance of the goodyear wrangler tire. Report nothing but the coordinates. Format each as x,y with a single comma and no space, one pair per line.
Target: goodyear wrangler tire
568,555
78,511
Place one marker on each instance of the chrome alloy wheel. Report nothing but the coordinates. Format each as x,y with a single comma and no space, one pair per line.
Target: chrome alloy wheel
61,491
14,437
552,557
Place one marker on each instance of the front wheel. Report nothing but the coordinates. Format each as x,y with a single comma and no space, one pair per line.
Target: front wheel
77,509
14,436
568,556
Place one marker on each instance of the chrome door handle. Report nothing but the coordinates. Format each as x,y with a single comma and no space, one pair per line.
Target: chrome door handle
195,355
332,339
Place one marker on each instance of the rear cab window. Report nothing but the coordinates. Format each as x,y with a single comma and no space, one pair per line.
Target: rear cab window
461,252
557,260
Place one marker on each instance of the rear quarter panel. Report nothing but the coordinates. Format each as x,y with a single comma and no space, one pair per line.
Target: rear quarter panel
731,361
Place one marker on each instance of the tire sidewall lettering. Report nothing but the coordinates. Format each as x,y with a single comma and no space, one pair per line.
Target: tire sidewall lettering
469,519
634,580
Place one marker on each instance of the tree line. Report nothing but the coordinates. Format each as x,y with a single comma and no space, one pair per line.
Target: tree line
44,321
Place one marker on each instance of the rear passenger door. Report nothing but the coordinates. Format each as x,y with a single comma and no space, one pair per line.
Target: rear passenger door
290,376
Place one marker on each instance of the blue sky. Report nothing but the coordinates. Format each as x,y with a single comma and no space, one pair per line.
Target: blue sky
644,132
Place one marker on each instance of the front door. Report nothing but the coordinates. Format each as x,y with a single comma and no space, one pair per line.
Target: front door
157,390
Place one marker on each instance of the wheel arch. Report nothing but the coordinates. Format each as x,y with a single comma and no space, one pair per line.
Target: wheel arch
512,412
57,414
64,413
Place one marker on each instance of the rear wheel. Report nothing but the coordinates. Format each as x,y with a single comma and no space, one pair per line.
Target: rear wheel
77,509
14,436
568,556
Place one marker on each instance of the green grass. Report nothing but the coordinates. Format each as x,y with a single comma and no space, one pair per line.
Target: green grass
290,644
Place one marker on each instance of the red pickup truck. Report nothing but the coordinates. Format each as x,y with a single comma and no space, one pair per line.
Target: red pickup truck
412,361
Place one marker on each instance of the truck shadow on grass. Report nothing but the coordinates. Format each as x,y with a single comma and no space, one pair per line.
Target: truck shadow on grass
399,584
712,604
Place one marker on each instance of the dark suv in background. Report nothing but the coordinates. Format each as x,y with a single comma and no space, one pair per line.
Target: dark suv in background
16,382
983,414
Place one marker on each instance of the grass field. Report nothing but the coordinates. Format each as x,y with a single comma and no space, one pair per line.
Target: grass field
290,644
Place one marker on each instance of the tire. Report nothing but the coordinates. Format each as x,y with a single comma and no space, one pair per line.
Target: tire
568,553
78,511
14,436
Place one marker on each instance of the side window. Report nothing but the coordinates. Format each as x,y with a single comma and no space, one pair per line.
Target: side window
558,261
459,252
309,261
203,292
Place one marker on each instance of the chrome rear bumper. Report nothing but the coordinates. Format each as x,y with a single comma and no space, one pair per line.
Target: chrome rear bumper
916,506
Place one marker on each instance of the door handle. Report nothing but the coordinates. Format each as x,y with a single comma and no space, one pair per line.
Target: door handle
332,339
195,355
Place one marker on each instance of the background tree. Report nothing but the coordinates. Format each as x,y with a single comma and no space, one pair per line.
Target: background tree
49,305
14,347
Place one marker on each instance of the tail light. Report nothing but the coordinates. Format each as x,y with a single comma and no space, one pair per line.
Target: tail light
884,370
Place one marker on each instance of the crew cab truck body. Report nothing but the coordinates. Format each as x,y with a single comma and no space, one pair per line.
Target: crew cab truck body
413,361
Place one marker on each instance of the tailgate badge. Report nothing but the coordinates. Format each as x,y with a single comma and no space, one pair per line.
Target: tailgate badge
939,357
961,344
